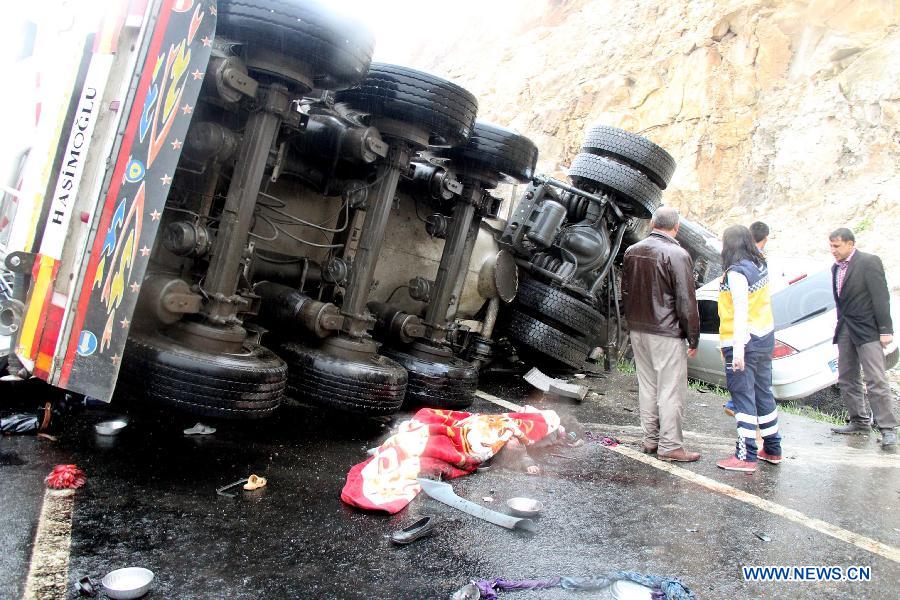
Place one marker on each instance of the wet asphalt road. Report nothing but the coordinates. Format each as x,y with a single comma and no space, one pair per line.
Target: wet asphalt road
150,501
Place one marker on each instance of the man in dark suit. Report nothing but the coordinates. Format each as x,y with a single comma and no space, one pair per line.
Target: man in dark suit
863,330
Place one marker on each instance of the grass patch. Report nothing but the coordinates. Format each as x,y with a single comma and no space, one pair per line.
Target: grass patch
816,415
864,224
702,386
626,366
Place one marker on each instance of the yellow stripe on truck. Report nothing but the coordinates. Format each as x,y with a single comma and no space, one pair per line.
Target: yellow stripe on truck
36,307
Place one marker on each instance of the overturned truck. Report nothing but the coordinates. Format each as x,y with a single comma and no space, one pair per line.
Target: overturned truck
239,209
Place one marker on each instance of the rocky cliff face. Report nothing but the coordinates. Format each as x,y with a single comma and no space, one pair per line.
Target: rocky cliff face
784,111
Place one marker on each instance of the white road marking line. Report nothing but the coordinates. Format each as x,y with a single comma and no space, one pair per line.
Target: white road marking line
499,401
790,514
48,572
860,541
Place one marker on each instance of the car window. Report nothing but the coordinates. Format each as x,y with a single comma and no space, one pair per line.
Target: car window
709,316
808,298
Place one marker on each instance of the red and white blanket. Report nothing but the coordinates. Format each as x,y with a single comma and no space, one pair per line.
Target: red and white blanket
445,442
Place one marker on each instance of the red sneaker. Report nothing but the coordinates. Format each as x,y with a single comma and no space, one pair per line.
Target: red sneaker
733,463
769,458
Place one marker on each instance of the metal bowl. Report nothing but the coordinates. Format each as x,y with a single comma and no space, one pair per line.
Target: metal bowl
525,507
112,427
130,582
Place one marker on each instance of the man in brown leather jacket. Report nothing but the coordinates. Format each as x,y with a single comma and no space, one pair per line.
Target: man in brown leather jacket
661,310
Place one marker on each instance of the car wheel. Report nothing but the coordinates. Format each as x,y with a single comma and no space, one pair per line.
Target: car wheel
641,196
248,385
338,49
445,109
636,151
567,313
497,149
372,385
433,384
547,340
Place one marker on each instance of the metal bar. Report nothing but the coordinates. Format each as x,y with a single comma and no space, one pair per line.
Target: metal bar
451,262
240,204
598,199
370,241
463,272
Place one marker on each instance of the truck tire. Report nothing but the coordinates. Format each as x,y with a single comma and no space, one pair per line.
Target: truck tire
159,370
707,259
496,149
443,108
547,340
566,312
371,386
338,49
640,196
432,384
636,151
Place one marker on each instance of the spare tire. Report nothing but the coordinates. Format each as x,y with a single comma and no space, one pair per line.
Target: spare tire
636,151
443,108
337,48
641,197
493,148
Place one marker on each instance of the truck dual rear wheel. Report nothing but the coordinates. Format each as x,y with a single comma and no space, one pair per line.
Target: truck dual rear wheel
337,49
634,150
371,385
441,108
437,384
547,339
244,385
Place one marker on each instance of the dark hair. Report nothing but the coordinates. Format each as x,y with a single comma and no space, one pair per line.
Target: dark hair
737,245
759,231
843,234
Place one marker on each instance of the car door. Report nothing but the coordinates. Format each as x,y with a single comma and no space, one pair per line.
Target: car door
707,365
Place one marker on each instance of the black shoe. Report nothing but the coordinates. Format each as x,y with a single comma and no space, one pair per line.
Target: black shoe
417,530
888,439
853,428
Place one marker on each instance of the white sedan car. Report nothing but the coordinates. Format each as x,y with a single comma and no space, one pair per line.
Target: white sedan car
804,360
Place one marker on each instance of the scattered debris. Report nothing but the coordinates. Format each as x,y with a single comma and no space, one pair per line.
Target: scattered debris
130,582
87,587
580,375
604,440
443,492
112,427
19,424
254,482
48,437
525,507
488,499
558,387
200,429
621,584
223,491
763,536
417,530
691,529
627,409
65,477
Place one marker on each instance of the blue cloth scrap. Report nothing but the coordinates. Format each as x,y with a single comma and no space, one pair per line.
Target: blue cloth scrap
662,588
